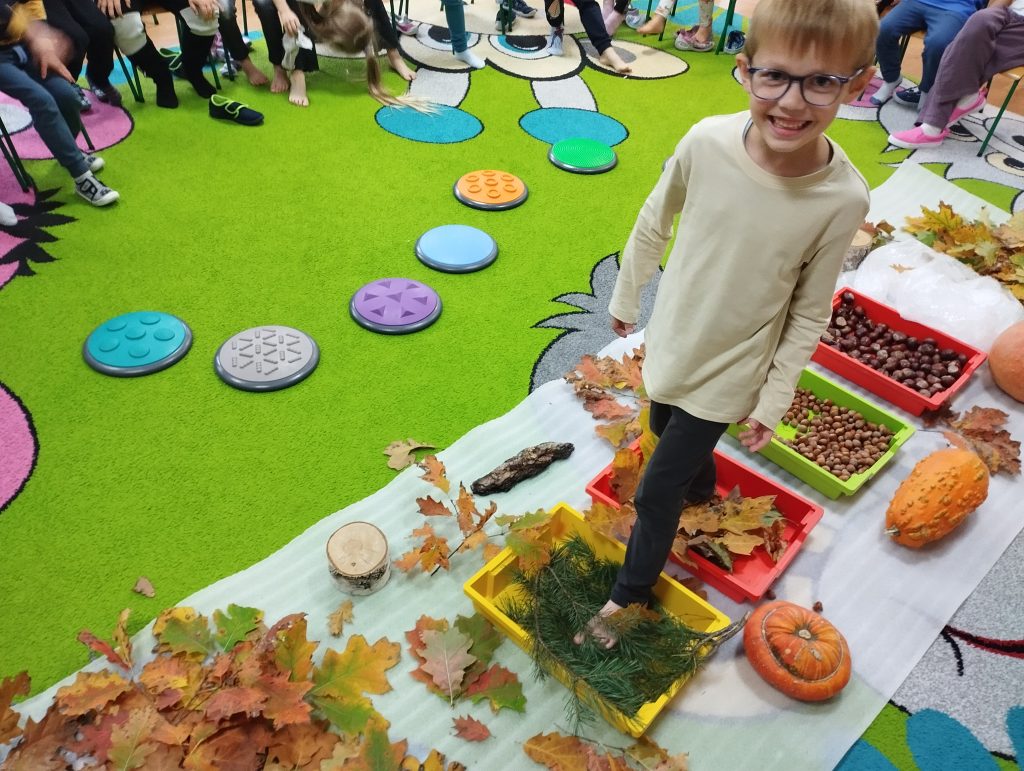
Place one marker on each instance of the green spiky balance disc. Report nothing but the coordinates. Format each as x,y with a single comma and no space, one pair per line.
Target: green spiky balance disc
583,156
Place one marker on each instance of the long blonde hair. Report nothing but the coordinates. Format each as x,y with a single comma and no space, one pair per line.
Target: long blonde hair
345,25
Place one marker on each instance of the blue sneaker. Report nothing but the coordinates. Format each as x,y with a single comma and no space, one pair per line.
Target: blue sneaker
734,42
908,96
524,10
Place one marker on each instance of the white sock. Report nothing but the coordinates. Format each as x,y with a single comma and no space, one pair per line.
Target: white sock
967,101
886,91
930,131
7,215
471,59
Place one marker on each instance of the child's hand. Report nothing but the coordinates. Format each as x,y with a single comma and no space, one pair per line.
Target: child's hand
621,328
49,48
205,9
110,8
290,23
756,436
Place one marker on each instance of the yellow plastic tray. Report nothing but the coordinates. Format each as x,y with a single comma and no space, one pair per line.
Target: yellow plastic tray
492,584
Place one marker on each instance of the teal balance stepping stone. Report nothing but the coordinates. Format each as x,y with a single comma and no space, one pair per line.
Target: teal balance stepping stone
456,249
583,156
137,343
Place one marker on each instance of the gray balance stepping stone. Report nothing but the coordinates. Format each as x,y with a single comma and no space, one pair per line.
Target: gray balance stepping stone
266,358
395,306
137,343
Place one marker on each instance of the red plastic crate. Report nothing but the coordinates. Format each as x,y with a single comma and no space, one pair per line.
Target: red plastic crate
752,574
883,385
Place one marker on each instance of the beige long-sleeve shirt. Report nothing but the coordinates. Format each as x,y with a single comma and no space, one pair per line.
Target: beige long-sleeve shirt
747,288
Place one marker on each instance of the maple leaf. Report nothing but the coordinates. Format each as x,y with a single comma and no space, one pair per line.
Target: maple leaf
980,430
616,523
11,687
237,624
747,514
433,552
91,691
120,653
625,475
470,729
701,518
337,620
446,657
500,687
434,472
740,543
1011,233
431,508
301,746
183,631
942,219
400,454
144,587
232,701
284,702
557,752
359,669
294,653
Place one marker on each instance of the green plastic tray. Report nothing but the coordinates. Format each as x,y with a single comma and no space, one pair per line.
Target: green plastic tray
809,471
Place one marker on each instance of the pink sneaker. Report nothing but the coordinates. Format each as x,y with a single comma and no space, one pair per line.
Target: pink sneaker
959,112
915,139
686,40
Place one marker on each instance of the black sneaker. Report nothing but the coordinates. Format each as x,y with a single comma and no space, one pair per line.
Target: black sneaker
105,92
225,109
94,191
908,96
83,101
506,18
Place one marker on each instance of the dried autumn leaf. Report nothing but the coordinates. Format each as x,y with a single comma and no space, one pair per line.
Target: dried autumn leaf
413,636
377,752
130,742
183,631
556,752
432,553
10,688
483,636
474,541
649,755
980,430
620,434
400,453
285,700
625,476
232,701
91,691
500,687
434,472
471,729
236,747
171,679
740,543
120,653
491,550
467,514
237,624
293,652
616,523
446,657
301,746
144,587
431,508
359,669
337,620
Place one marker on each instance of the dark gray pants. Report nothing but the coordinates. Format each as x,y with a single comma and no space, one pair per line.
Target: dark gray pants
681,469
991,41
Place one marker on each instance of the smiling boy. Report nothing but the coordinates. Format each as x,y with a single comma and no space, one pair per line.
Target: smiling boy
767,207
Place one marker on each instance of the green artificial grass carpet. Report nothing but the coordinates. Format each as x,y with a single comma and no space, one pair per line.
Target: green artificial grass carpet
184,480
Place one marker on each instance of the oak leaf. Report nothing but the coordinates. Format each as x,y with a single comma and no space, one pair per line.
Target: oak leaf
982,428
171,679
445,658
432,553
301,746
430,508
359,669
350,715
434,472
337,620
237,624
144,587
484,641
621,433
467,514
182,631
413,636
491,550
130,743
91,691
557,752
11,687
500,687
237,748
284,703
232,701
474,540
293,652
120,653
650,755
346,749
400,453
377,753
471,729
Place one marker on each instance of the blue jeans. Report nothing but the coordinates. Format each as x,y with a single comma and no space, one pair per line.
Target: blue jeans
52,103
940,27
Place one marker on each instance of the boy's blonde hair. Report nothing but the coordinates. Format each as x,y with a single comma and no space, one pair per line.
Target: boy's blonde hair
842,27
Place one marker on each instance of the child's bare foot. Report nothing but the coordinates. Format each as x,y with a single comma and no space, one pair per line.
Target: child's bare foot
253,73
398,65
297,92
653,26
611,57
280,82
597,629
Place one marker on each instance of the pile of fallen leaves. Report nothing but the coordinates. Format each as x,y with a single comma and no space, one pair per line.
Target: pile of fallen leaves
987,249
237,695
601,383
979,430
572,753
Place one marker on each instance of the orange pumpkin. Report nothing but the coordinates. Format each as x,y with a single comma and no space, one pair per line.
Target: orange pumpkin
940,492
797,651
1006,360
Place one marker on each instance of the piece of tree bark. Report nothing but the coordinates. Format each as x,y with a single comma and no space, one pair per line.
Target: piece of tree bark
526,464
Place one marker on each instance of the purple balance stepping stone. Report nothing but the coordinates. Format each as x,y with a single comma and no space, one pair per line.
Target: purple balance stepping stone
395,306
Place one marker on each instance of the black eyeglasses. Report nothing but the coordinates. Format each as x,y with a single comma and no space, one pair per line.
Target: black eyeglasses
818,89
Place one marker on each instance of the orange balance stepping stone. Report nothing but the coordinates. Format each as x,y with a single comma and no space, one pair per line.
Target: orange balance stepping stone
490,189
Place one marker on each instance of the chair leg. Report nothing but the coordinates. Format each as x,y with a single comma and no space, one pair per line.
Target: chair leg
24,179
245,20
134,84
650,4
87,138
999,115
730,12
662,35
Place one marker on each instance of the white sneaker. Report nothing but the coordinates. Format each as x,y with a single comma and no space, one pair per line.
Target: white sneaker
95,162
555,42
633,17
94,191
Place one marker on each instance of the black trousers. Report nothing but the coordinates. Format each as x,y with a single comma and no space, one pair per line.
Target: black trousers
273,34
590,15
681,469
90,33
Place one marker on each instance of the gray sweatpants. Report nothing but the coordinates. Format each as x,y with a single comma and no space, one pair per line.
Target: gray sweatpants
991,41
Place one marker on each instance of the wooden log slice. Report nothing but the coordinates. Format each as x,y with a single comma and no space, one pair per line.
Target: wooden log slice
859,248
357,555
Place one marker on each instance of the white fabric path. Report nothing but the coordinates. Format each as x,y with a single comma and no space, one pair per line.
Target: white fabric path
889,602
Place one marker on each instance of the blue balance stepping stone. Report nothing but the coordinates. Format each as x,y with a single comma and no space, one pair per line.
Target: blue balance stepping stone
137,343
456,249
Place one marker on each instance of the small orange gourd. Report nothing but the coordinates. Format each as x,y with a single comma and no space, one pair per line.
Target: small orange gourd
797,651
1006,361
940,492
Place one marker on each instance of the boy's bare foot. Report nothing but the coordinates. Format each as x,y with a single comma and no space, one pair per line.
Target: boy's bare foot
597,629
280,82
253,73
398,65
611,57
653,26
297,92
